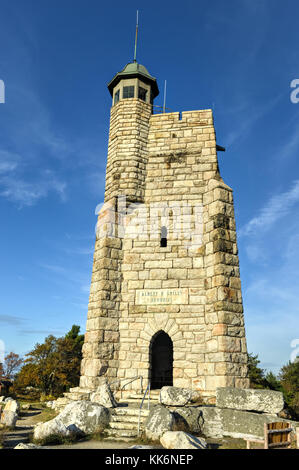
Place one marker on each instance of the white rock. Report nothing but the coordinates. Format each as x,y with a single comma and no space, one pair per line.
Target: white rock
9,418
175,396
27,446
12,405
181,440
158,422
77,417
104,396
86,416
55,426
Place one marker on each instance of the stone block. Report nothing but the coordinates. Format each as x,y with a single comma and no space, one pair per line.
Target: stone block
262,401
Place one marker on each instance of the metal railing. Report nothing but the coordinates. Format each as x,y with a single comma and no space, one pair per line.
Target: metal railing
148,390
129,382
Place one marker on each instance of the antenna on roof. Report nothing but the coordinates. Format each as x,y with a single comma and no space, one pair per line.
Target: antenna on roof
136,36
164,103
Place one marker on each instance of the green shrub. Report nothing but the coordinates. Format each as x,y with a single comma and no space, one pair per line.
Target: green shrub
44,398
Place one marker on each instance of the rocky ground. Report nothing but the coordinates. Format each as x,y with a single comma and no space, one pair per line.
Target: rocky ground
29,419
38,413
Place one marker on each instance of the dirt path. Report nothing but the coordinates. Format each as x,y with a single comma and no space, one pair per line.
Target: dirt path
24,427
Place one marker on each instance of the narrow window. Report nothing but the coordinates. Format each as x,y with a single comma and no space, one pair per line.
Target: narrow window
142,93
163,241
116,97
128,92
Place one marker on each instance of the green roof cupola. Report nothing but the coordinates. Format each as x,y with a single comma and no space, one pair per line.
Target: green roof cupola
134,81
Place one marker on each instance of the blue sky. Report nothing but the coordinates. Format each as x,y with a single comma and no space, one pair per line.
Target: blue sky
56,58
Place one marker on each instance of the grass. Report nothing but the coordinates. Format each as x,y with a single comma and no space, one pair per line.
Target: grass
55,439
96,436
43,413
46,415
2,437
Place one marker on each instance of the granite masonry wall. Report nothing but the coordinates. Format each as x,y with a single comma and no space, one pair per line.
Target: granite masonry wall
166,166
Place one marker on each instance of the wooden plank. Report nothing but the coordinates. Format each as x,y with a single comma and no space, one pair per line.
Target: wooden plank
274,431
279,444
277,433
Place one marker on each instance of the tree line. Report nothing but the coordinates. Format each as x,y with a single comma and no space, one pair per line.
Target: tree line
50,369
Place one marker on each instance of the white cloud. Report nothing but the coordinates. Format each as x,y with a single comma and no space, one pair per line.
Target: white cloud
5,167
291,146
11,319
275,209
250,118
8,161
27,193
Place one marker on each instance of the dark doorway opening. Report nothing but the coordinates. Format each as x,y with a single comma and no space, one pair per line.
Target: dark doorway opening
161,360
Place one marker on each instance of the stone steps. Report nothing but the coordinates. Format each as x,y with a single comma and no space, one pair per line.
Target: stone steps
124,425
126,410
125,417
120,439
138,401
117,433
77,393
129,419
124,422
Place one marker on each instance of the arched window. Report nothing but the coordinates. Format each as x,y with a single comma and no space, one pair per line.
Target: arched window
163,240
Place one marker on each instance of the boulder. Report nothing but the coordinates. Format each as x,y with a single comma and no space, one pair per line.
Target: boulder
78,417
182,440
27,446
104,396
245,424
263,401
212,421
54,426
12,405
87,417
192,416
158,422
175,396
9,418
222,422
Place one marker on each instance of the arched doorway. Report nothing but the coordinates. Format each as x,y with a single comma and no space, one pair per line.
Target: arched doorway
161,360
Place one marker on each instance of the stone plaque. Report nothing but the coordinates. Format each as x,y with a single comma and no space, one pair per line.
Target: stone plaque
161,296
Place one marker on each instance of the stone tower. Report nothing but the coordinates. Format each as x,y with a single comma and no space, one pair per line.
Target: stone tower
165,299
